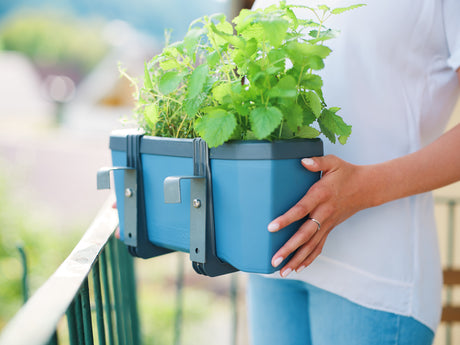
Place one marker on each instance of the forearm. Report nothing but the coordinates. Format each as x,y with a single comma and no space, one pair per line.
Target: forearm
432,167
345,189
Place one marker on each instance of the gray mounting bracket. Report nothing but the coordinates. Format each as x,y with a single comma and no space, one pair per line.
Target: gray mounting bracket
130,201
198,206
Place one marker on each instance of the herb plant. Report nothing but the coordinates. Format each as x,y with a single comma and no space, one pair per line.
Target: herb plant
256,79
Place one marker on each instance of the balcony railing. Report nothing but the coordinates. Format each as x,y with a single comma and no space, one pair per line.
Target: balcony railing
98,263
91,298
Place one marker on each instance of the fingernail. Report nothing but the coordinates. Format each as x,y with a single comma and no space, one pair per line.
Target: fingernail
273,227
300,269
308,161
286,273
277,261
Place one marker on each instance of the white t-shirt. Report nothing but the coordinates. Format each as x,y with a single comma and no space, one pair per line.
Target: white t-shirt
392,71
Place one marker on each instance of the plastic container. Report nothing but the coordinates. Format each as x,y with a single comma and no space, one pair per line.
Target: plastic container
253,182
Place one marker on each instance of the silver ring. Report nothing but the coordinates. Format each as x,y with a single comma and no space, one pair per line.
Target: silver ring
317,223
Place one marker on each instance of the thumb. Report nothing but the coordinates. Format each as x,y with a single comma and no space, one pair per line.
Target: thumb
315,164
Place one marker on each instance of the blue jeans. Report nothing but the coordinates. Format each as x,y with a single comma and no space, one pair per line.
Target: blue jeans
291,312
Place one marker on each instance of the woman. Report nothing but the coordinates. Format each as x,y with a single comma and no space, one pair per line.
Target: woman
376,278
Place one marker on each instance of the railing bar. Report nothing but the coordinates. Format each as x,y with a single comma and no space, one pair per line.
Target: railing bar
446,200
72,324
116,291
234,301
54,339
179,300
86,311
451,204
126,293
107,296
79,319
25,281
450,227
131,280
67,280
98,302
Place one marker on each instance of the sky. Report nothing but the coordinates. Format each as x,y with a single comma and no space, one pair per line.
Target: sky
150,16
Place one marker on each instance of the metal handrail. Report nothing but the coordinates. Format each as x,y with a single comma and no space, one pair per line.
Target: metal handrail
57,294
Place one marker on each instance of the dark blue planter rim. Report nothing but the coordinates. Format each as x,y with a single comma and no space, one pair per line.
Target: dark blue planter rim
235,150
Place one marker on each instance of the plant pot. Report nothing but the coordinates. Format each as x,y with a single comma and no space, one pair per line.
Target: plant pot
252,183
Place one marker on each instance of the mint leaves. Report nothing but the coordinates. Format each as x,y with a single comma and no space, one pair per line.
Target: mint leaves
253,79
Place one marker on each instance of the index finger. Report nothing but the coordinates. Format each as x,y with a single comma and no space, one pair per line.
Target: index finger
303,207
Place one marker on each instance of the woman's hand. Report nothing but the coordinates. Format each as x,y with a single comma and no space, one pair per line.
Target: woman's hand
337,196
346,189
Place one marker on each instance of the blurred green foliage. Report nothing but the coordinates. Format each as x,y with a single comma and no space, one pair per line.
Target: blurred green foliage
51,38
202,302
45,249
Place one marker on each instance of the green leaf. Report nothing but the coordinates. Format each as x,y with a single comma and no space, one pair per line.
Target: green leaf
334,109
275,29
315,62
254,31
311,81
147,81
241,21
169,82
213,58
225,26
192,104
222,93
197,81
192,38
286,87
323,35
230,38
313,102
293,116
332,125
323,8
170,64
308,116
277,57
216,127
151,115
301,53
265,120
327,131
218,17
307,132
343,9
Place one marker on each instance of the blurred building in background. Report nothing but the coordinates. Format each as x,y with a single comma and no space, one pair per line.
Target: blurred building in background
61,92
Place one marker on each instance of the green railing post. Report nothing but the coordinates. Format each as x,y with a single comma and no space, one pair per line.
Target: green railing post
79,319
179,300
72,324
107,297
25,282
99,304
128,283
120,325
234,302
86,311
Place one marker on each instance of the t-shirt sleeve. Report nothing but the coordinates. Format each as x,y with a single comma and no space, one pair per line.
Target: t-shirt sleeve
452,27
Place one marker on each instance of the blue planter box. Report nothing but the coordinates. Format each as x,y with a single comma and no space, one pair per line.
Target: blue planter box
253,182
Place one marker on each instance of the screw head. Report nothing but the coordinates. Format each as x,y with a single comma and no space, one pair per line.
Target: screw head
196,203
128,192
